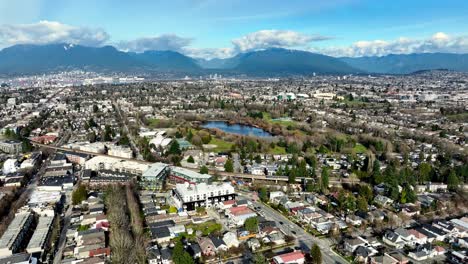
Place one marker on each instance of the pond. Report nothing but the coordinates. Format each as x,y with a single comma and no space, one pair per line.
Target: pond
238,129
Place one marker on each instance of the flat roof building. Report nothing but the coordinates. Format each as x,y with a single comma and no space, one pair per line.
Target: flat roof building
189,196
41,235
13,236
154,177
11,146
180,174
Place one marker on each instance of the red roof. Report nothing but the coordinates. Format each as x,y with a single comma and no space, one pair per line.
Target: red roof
229,202
240,210
99,252
293,256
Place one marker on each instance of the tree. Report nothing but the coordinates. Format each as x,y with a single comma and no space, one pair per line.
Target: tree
201,210
79,195
424,172
259,258
229,166
172,210
362,205
263,194
174,148
376,173
204,170
452,181
251,224
180,256
190,159
325,179
316,254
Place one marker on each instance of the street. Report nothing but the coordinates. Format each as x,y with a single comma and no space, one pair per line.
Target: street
304,239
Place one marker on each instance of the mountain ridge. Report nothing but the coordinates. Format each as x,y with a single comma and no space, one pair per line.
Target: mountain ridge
31,59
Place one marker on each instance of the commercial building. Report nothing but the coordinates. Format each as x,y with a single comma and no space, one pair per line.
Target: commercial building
238,215
115,164
20,258
76,158
14,235
11,146
105,177
189,196
154,177
122,152
180,175
40,237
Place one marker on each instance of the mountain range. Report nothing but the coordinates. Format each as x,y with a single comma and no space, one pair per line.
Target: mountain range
33,59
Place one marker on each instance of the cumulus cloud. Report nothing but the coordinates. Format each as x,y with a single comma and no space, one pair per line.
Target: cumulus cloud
209,53
162,42
46,32
439,42
274,38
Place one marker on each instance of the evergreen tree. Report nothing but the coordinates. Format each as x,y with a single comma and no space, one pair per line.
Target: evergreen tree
325,179
204,170
452,181
229,166
174,148
316,254
190,159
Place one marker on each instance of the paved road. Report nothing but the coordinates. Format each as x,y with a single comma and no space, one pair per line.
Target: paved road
304,240
130,136
63,233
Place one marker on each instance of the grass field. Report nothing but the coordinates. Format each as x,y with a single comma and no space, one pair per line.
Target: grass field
359,148
221,145
267,117
277,150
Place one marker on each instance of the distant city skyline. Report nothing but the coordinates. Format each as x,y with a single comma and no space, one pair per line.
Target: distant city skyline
220,29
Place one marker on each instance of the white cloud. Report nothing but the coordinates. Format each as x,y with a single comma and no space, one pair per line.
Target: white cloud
439,42
45,32
274,38
209,53
162,42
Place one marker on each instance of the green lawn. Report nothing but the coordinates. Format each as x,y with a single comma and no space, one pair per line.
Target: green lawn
459,117
267,117
277,150
153,122
206,228
221,145
359,148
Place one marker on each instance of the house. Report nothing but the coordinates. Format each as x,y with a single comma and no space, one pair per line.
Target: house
238,215
419,238
253,244
393,239
382,200
275,195
351,245
277,238
439,234
458,257
161,235
383,259
218,243
207,247
402,259
295,257
231,240
154,255
354,220
194,250
422,252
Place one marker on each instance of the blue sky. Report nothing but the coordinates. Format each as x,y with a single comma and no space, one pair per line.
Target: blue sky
220,28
